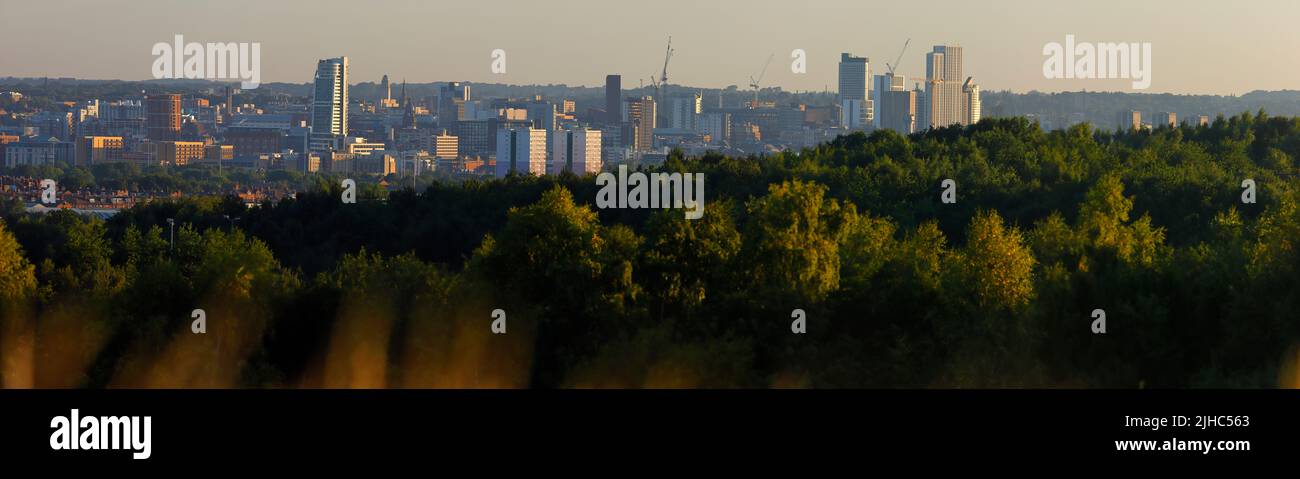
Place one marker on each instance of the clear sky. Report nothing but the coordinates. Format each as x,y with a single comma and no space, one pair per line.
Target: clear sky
1198,46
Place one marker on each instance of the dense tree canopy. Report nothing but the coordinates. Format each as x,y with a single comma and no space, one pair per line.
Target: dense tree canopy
898,287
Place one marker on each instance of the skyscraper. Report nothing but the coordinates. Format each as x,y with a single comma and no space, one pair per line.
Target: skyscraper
329,104
613,99
641,121
943,71
685,111
970,94
163,117
854,85
853,77
521,150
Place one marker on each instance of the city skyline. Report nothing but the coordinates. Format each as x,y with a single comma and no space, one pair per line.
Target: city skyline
716,45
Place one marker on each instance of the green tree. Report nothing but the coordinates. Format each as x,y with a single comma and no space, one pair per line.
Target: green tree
996,264
792,242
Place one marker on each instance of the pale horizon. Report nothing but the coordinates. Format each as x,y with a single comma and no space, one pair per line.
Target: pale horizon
717,44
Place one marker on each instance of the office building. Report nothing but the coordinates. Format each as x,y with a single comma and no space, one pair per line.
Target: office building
854,84
542,114
39,152
613,99
612,147
445,146
452,97
852,115
898,111
475,136
377,164
255,140
355,145
880,85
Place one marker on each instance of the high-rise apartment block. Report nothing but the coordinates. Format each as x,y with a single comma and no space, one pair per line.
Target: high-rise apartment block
1130,120
576,150
943,71
521,150
640,120
163,117
329,106
971,106
685,111
1165,118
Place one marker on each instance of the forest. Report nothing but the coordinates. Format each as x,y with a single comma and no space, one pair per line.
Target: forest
1195,273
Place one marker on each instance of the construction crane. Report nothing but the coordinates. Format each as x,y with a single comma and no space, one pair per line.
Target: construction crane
663,75
754,82
899,59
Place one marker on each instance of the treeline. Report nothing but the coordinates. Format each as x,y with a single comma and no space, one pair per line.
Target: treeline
899,289
162,179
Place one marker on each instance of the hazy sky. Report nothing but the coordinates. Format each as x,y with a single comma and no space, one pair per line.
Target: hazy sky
1198,46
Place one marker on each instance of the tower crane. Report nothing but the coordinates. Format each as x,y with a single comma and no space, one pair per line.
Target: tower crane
899,59
663,75
754,82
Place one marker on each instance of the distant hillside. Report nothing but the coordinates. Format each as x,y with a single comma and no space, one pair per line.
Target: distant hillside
1053,110
1103,108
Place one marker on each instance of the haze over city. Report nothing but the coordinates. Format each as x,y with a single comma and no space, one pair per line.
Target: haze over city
1198,47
